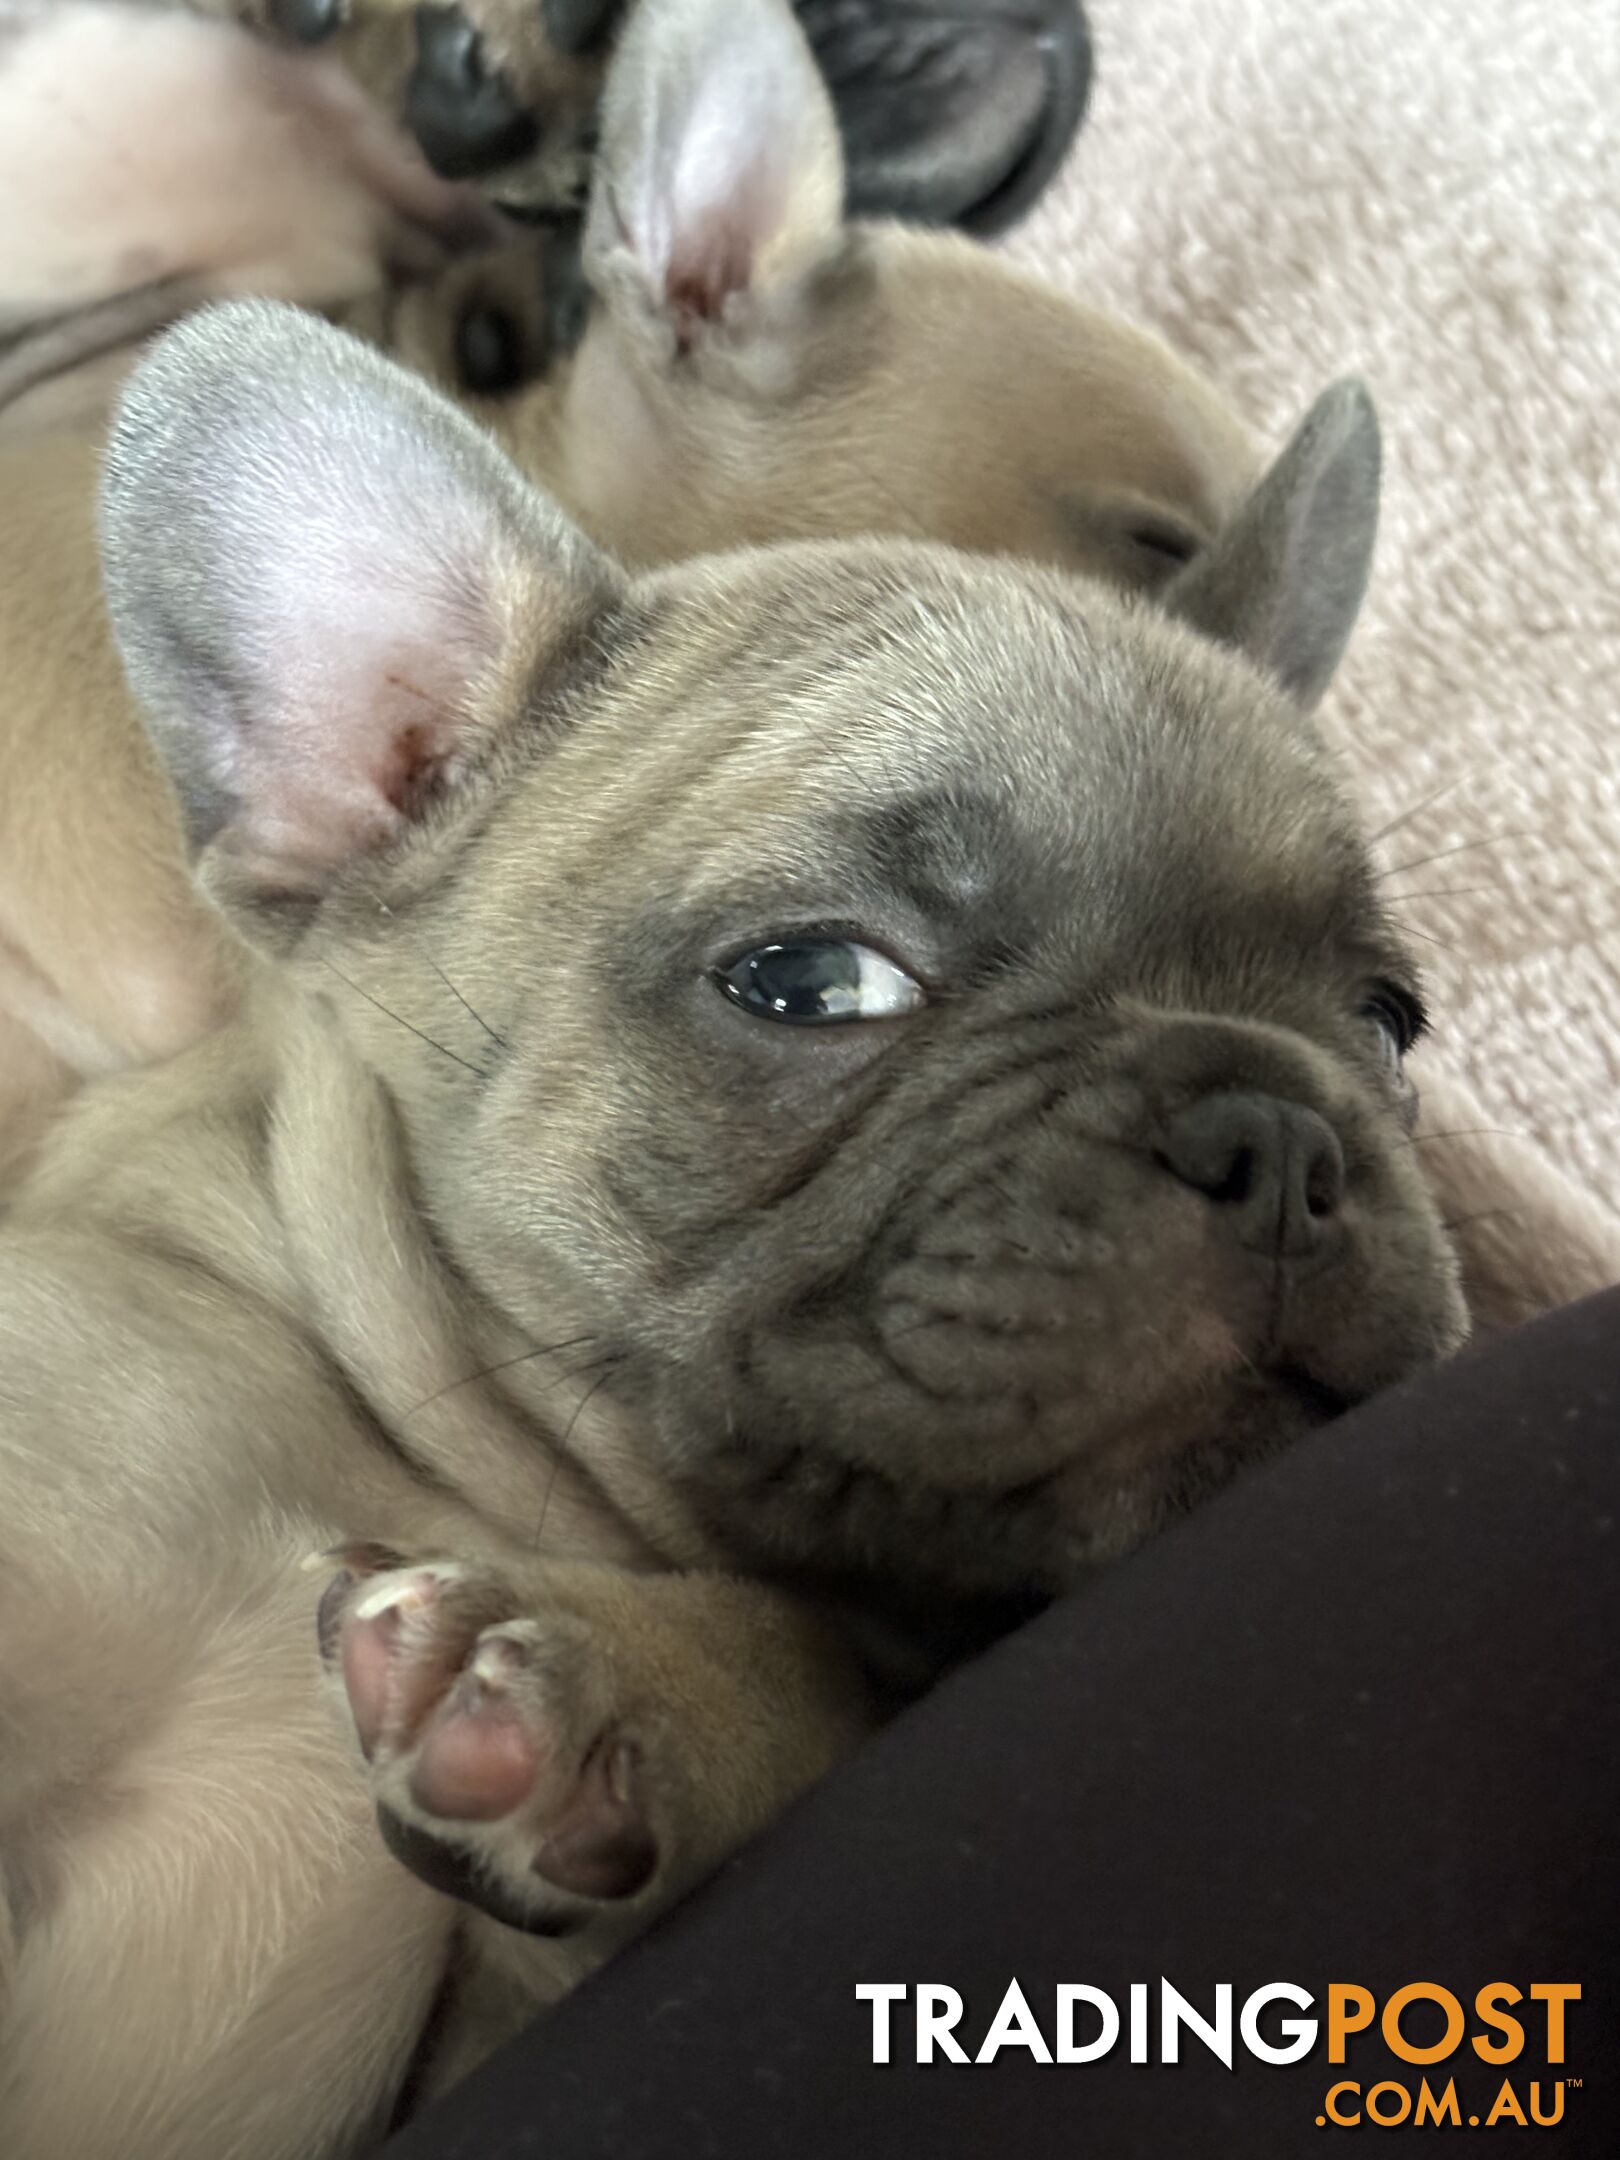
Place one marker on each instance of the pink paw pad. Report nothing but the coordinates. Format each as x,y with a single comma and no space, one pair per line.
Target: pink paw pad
478,1758
493,1779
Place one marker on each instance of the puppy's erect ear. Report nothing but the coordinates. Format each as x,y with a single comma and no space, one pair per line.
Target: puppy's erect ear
720,179
1284,582
329,588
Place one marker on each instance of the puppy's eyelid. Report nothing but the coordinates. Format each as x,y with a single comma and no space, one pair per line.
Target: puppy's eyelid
1174,543
1403,1006
1160,540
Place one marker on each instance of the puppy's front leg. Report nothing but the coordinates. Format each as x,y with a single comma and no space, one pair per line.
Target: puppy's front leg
570,1748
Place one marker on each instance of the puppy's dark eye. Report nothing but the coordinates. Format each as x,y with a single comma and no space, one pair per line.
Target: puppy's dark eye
1397,1018
812,981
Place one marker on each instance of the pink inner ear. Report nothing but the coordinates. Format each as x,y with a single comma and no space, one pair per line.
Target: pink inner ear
411,764
726,204
374,632
366,739
708,265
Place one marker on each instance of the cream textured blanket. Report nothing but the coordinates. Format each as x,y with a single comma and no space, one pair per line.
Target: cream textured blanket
1428,195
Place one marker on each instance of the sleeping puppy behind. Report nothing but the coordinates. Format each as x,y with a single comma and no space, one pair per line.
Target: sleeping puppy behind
149,161
151,155
826,1078
757,368
952,117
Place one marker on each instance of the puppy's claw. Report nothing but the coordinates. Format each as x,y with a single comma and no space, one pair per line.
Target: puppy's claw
395,1594
360,1558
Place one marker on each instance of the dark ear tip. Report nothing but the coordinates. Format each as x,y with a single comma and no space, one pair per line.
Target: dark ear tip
1345,414
1351,396
1284,582
1337,456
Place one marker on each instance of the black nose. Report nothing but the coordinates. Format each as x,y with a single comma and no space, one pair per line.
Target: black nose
1275,1165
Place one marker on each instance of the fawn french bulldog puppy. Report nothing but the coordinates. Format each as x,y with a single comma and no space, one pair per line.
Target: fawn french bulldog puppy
758,367
836,1072
150,155
952,116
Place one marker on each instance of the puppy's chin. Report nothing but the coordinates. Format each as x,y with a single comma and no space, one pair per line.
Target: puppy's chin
1112,1498
792,1493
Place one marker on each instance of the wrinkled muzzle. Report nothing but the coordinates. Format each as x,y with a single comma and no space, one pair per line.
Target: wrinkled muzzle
1101,1280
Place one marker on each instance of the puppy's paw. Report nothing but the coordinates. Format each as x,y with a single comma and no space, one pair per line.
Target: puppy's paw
952,115
509,1767
499,92
949,115
490,324
305,22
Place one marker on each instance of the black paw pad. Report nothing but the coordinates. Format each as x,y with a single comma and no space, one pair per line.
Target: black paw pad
462,113
952,115
491,353
567,296
499,349
580,26
306,22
